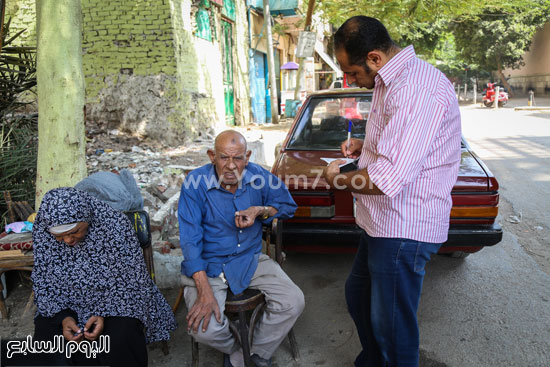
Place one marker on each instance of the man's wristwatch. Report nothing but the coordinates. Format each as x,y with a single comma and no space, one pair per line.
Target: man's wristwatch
265,215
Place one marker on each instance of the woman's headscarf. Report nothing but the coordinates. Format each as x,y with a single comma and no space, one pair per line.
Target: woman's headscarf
103,275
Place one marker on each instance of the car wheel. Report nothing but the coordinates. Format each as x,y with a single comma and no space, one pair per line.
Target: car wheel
457,254
487,103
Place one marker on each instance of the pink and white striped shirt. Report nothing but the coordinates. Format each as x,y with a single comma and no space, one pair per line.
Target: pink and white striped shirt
411,152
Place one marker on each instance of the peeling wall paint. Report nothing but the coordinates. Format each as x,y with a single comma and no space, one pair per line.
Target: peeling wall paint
145,70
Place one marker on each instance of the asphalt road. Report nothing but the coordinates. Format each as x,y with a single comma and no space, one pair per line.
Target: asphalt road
493,309
516,147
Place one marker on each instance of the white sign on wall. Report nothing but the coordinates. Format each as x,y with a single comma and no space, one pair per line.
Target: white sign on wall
306,44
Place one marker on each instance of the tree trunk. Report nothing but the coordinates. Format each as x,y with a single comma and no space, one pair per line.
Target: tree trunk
505,82
298,87
271,62
60,86
503,78
309,15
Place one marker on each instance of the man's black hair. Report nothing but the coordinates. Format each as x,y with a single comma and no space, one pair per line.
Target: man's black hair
360,35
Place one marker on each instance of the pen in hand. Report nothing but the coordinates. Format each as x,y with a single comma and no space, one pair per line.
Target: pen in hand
349,136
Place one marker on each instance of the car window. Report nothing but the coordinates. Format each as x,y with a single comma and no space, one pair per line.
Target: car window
324,123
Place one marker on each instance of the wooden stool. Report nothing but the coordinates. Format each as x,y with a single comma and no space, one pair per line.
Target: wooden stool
250,300
243,330
236,307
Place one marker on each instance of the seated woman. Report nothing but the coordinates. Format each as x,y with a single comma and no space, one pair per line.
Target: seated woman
90,279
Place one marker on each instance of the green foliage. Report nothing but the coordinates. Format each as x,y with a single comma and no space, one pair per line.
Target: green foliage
18,132
446,58
454,35
18,153
498,40
17,70
411,19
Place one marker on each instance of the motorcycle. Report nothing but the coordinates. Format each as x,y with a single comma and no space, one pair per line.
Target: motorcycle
489,96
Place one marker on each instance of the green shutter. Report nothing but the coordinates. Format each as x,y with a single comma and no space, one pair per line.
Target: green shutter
204,30
228,9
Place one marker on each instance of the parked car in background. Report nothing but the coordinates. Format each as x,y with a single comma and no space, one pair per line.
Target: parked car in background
325,218
340,82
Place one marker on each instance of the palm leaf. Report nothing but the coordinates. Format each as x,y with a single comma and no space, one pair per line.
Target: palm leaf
18,132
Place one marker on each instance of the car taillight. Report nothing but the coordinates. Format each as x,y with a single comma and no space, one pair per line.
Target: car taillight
475,200
314,205
474,212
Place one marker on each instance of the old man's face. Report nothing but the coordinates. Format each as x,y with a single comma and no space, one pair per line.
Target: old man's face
230,158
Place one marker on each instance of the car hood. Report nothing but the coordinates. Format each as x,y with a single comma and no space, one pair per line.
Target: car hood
303,169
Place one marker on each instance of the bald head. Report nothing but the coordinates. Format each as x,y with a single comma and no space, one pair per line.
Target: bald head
229,137
229,157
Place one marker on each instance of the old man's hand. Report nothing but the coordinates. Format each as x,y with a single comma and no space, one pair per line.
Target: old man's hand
202,310
246,218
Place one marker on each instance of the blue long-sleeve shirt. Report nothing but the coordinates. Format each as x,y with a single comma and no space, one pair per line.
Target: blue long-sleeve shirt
209,238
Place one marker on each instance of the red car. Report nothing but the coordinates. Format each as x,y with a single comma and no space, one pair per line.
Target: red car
325,221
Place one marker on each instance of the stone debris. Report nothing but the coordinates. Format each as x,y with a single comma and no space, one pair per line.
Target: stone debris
157,191
166,220
168,268
515,219
159,173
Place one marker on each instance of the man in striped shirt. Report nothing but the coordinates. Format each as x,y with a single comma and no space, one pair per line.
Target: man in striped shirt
408,164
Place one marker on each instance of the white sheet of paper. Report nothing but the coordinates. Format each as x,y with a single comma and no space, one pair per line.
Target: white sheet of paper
328,160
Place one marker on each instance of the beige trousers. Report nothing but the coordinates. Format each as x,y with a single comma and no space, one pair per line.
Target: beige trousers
285,303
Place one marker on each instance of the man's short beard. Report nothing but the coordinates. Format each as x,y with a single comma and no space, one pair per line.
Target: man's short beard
366,68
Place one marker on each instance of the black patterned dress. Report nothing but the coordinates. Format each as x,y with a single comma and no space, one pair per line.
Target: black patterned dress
103,275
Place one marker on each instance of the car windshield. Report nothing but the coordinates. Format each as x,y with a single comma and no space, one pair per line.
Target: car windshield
324,123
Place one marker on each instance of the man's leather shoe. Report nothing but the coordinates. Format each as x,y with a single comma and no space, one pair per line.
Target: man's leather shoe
226,361
260,362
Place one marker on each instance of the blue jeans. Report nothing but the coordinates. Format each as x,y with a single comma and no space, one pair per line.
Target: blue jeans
382,293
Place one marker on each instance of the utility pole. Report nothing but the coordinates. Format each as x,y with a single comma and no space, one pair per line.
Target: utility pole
475,90
307,27
60,88
271,62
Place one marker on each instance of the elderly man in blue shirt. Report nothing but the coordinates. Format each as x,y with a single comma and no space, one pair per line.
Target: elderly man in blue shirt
221,210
